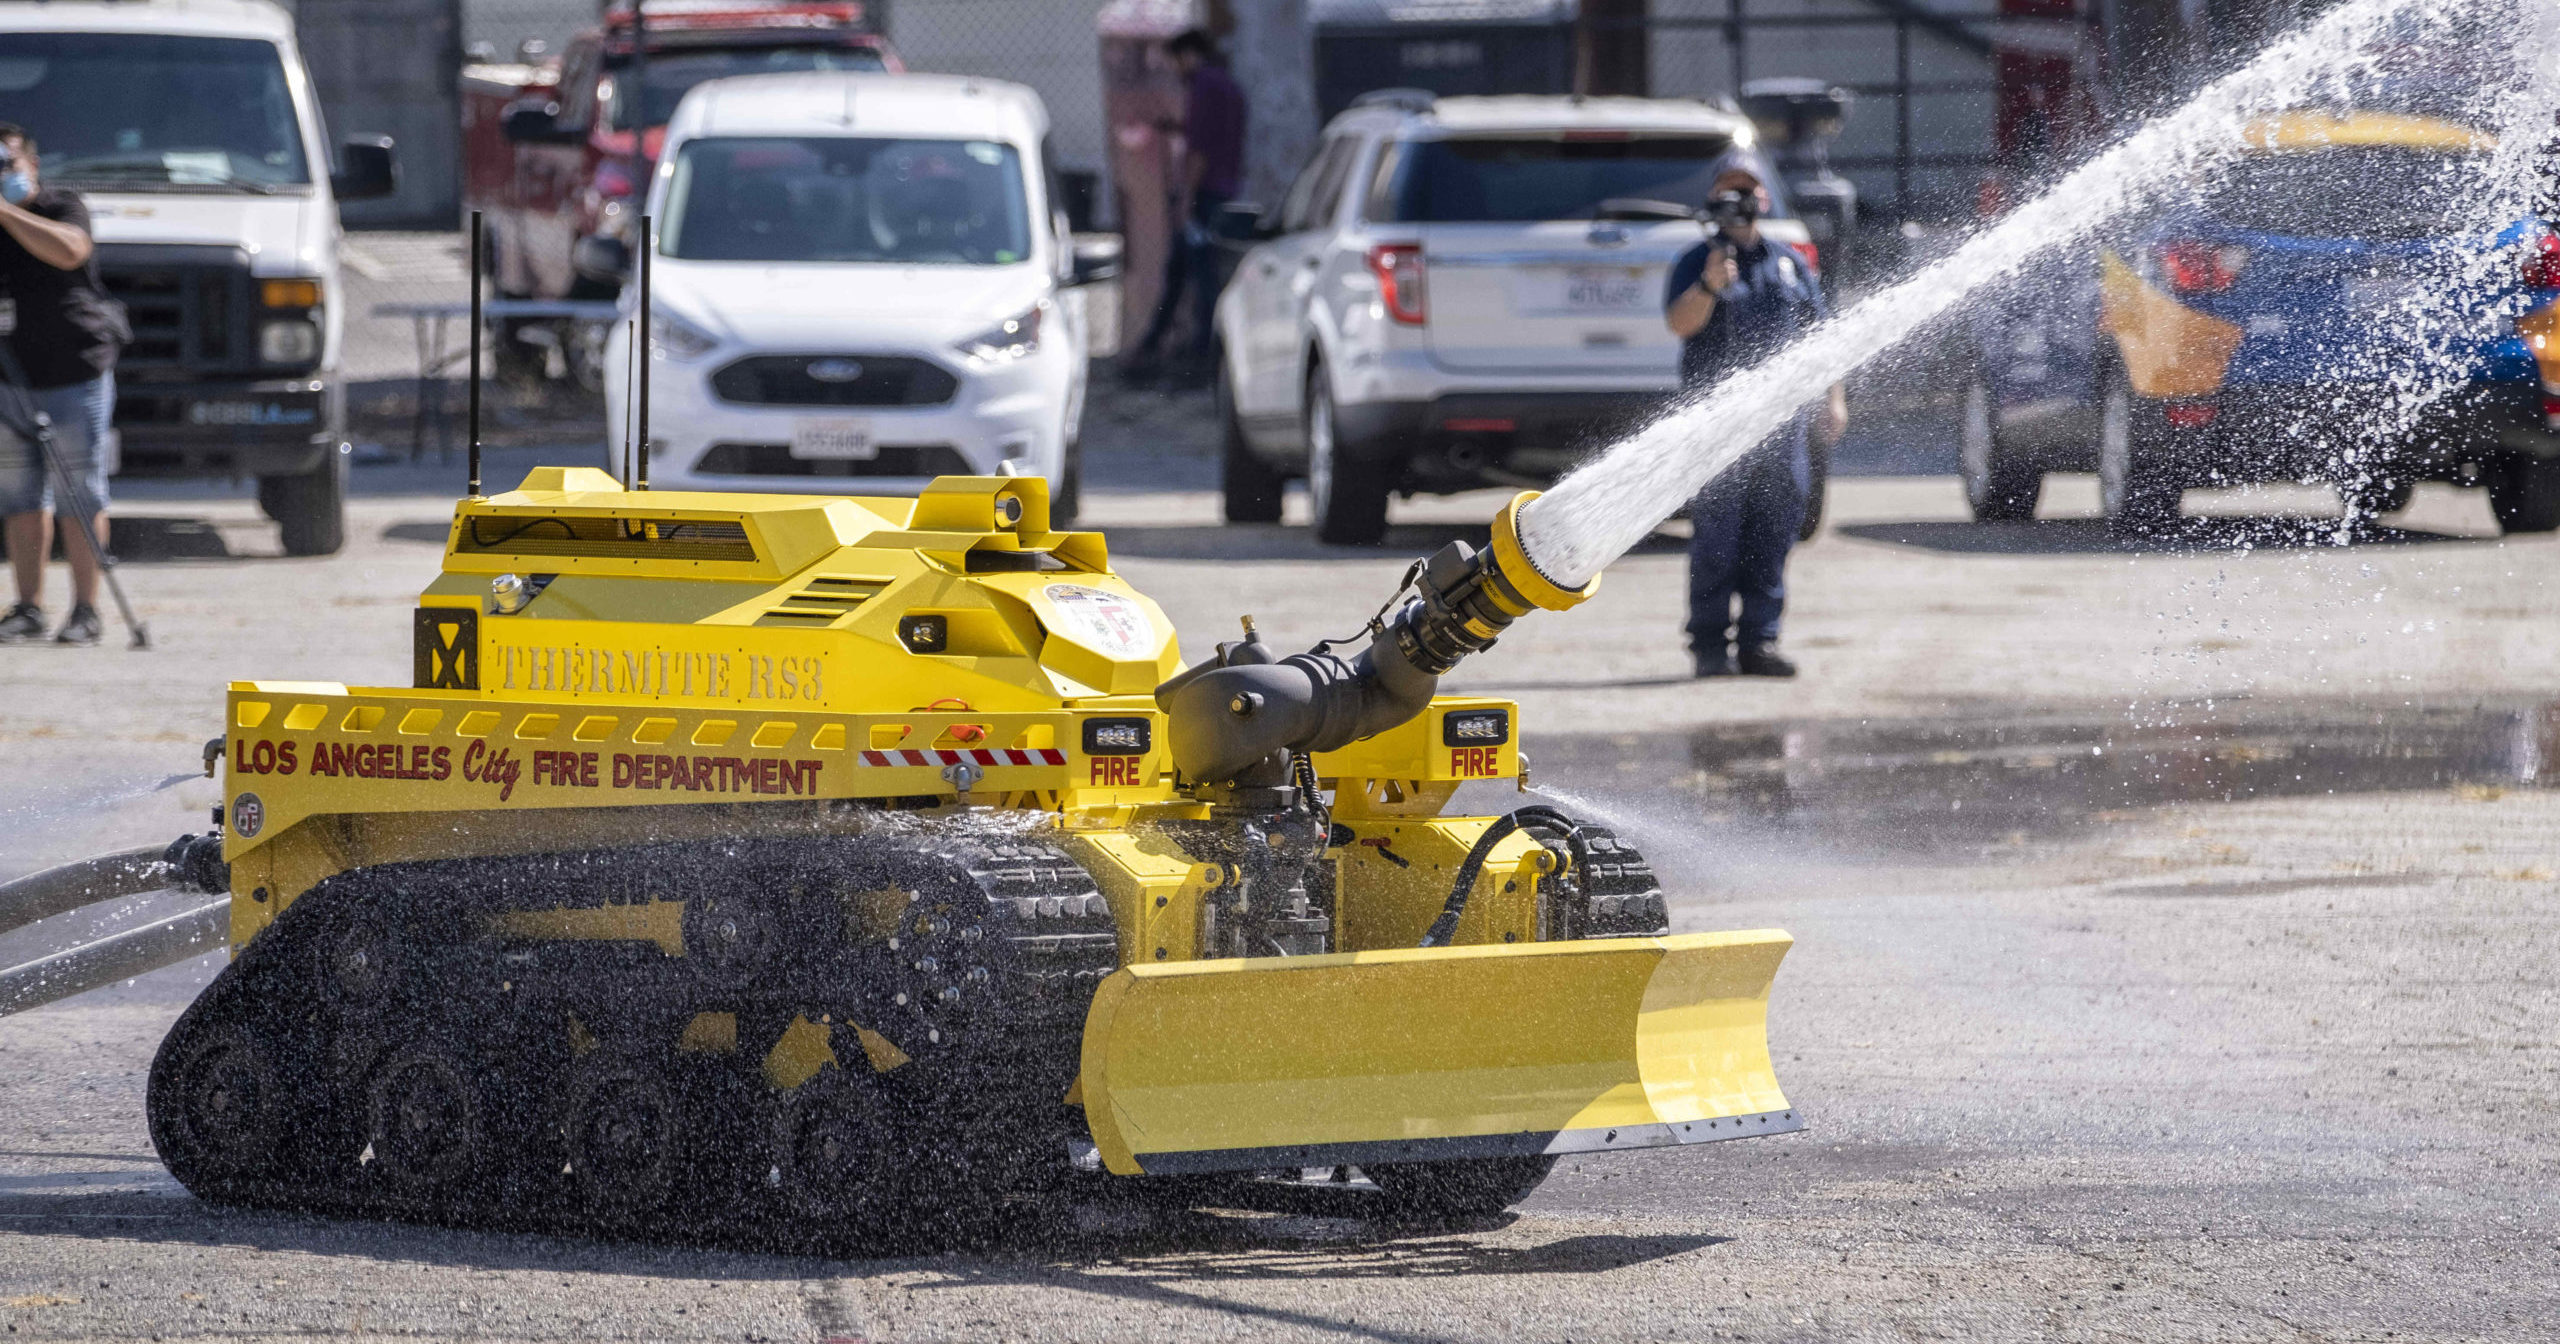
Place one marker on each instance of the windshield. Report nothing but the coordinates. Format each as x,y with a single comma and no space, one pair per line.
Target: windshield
672,74
839,198
139,111
1524,180
2379,192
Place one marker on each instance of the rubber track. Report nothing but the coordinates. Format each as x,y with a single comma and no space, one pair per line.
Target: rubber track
983,983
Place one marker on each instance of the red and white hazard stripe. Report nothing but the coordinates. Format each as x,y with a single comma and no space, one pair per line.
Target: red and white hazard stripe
979,756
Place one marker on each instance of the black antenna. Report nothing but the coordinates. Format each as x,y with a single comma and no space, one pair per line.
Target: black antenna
630,352
640,439
479,252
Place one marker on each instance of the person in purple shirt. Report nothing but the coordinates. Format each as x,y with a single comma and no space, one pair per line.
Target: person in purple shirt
1213,118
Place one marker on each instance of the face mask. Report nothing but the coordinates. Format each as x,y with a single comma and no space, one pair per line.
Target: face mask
17,187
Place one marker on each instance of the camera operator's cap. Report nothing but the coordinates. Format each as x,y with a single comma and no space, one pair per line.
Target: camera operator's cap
1738,172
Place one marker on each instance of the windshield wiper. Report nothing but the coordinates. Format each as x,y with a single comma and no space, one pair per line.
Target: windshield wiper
157,173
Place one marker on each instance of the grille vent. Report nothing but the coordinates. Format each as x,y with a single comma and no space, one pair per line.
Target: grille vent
826,600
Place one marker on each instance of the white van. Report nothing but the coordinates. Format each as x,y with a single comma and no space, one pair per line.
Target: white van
189,129
862,282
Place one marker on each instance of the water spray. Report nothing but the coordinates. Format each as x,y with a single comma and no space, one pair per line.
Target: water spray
1241,718
1613,502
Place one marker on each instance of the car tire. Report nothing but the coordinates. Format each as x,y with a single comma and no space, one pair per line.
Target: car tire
2524,492
2134,487
1346,492
1999,485
1066,499
1252,487
310,509
2378,493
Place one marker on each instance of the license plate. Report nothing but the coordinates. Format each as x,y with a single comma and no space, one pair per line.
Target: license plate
1603,289
839,439
2377,294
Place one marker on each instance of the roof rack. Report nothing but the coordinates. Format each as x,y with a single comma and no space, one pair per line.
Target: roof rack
1409,100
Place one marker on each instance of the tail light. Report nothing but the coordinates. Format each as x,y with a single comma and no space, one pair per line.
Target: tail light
2550,408
613,178
2193,267
1812,255
2542,263
2190,414
1398,267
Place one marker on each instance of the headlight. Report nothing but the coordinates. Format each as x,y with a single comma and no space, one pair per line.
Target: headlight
1012,338
677,339
289,341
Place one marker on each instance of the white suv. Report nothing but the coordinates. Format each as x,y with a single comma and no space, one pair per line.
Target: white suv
863,281
1442,303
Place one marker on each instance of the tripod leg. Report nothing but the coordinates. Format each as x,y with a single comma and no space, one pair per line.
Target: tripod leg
30,421
79,509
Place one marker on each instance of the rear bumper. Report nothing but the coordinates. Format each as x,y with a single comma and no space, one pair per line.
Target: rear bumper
270,427
2297,432
1461,440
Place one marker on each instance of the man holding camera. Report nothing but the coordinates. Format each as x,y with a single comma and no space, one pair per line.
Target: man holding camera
1734,300
62,347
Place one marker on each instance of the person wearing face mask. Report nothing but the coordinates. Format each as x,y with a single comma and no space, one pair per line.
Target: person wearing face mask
65,338
1733,301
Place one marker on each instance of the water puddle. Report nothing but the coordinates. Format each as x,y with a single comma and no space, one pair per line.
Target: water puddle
1948,784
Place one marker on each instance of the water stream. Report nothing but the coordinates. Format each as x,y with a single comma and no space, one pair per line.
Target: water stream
1617,499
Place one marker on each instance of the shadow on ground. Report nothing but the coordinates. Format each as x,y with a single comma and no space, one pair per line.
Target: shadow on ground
143,538
1118,1246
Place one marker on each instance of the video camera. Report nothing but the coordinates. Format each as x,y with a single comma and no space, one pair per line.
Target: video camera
1730,209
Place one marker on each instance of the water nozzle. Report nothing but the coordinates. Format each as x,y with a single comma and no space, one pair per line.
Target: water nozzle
1246,709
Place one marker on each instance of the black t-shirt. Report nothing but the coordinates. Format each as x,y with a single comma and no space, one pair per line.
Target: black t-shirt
68,329
1773,300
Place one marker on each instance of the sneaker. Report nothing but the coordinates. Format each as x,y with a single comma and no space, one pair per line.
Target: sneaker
83,627
24,622
1715,663
1764,660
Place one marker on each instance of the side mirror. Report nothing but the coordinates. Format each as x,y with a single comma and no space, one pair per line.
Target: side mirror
367,169
1096,259
602,258
534,121
1078,189
1248,221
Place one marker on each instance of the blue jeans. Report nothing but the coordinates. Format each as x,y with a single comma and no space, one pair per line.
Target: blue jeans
1190,267
81,413
1744,523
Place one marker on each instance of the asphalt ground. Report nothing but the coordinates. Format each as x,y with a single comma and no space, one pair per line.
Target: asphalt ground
2175,933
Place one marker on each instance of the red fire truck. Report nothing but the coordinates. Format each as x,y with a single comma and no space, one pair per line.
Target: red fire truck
561,151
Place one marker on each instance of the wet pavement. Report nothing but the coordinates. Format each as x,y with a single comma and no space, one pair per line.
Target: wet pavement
1911,788
2174,941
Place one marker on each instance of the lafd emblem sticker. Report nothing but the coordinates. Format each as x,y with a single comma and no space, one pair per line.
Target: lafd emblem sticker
248,814
1101,620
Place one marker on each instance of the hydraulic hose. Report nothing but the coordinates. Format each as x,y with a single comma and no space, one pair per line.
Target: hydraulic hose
118,956
1446,926
57,891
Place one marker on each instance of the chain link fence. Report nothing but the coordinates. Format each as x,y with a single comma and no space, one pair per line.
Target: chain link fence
402,365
